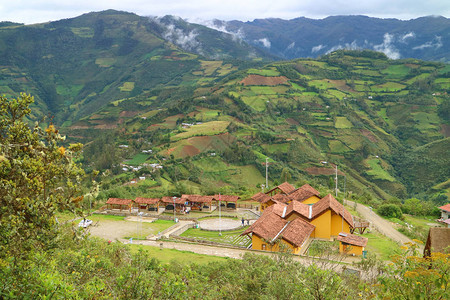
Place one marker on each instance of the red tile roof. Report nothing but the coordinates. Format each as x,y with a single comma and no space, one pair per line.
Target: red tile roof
328,202
285,187
119,201
168,199
267,226
271,226
298,207
304,192
197,198
281,198
277,208
226,198
446,207
141,200
297,232
352,239
260,197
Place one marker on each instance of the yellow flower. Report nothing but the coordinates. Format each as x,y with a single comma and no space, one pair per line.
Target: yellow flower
50,129
62,150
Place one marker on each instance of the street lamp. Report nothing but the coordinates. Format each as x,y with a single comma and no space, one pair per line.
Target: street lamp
174,198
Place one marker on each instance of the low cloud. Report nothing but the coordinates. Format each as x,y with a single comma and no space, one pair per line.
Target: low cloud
348,46
435,43
407,36
387,47
291,46
220,26
317,48
265,42
185,40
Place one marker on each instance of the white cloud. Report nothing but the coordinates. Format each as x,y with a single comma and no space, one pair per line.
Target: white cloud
177,36
291,46
435,43
348,46
33,11
219,26
265,42
407,36
317,48
387,48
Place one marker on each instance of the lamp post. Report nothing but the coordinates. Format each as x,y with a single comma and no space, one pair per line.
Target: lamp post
174,198
220,219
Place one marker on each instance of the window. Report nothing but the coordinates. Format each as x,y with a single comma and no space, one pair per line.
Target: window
263,247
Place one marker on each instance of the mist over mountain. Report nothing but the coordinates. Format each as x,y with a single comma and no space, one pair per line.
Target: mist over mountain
423,38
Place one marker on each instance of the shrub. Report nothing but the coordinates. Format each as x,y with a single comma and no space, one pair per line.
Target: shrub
390,211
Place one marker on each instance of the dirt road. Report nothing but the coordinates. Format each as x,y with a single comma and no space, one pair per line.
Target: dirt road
382,225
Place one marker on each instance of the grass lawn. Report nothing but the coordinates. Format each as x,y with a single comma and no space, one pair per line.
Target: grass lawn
228,237
382,246
183,257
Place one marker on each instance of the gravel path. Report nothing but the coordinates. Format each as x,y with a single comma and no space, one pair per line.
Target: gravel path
382,225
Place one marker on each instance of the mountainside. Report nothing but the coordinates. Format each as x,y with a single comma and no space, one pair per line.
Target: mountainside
425,38
74,66
147,99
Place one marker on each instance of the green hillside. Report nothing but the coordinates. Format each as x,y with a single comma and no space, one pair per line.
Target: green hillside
210,116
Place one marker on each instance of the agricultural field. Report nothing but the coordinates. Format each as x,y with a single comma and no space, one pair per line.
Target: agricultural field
208,128
138,159
377,172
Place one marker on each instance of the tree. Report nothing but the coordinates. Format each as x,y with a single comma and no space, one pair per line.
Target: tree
37,177
285,175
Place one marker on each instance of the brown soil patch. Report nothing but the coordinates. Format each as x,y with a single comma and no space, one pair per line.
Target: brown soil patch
189,150
445,130
322,171
291,121
263,80
368,134
22,79
128,114
106,126
342,85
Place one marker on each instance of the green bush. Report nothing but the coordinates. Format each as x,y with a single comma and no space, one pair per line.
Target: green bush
390,211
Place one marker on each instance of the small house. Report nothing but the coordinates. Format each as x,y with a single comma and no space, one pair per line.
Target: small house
351,244
438,241
445,212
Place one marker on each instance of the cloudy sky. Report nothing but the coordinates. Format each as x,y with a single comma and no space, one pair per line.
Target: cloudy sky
36,11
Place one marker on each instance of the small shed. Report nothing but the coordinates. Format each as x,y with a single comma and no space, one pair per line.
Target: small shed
121,204
150,204
438,241
230,201
351,244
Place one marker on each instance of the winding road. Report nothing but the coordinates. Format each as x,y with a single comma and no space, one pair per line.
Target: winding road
380,224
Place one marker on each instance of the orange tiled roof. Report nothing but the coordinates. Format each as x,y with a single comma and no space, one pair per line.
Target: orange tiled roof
304,192
278,208
298,231
285,187
141,200
446,207
352,239
267,226
226,198
260,197
298,207
119,201
197,198
271,226
282,198
168,199
328,202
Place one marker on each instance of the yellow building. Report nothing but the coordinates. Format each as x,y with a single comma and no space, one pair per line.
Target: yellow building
326,217
286,193
351,244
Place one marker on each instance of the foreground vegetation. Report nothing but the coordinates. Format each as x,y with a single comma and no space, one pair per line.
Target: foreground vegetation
41,257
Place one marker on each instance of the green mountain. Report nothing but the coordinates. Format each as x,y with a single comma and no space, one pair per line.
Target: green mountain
74,66
210,109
